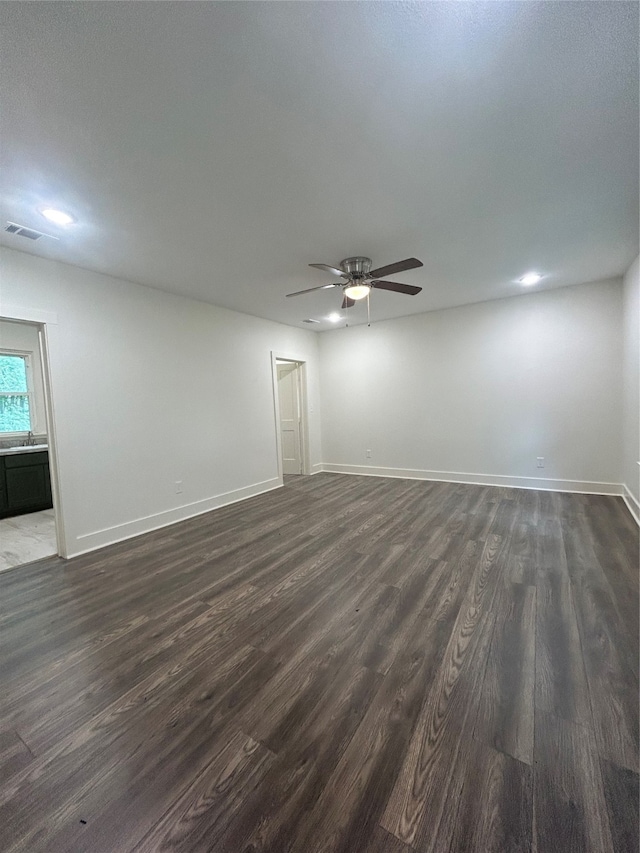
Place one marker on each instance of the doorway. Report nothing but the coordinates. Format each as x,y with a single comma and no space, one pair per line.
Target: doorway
29,523
291,421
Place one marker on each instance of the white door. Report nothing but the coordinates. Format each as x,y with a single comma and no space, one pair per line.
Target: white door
289,402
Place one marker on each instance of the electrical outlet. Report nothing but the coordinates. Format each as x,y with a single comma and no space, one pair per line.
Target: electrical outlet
178,487
367,453
540,461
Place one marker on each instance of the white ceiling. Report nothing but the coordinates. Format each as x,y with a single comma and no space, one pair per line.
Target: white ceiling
216,149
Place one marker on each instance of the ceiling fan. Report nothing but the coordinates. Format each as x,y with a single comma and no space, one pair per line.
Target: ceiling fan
359,278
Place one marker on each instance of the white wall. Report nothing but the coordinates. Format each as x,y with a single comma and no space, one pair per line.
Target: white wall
631,380
23,337
150,388
477,393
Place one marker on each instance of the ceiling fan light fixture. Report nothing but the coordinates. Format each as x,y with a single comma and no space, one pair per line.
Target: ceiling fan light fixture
357,291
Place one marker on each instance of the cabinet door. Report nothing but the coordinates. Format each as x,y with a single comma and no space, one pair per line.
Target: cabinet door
26,487
47,485
3,488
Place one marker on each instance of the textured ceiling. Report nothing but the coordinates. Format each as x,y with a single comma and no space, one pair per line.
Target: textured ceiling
216,149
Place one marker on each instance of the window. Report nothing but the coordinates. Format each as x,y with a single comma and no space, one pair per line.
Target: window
16,397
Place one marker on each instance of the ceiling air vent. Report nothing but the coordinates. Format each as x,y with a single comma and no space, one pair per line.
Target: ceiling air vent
311,321
23,231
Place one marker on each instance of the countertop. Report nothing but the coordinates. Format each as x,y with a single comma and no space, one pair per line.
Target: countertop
32,448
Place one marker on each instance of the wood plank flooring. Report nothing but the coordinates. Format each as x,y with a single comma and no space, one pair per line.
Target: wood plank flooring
344,665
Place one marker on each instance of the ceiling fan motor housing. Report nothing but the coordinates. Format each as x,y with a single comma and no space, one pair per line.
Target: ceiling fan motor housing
357,268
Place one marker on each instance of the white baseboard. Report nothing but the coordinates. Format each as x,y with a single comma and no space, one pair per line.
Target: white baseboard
549,485
633,505
117,533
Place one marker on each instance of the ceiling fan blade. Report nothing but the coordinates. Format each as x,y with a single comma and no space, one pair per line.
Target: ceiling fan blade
399,266
409,289
309,289
332,270
348,303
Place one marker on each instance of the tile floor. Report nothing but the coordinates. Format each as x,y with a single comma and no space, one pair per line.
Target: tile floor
25,538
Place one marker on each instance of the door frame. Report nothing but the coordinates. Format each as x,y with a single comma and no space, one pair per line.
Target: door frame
41,320
304,410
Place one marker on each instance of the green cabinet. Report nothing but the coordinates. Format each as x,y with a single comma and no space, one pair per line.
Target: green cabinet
25,485
4,504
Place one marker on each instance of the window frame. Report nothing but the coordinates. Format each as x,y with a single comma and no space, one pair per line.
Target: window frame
27,355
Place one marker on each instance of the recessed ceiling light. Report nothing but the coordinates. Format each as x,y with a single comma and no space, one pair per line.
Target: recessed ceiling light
335,317
530,278
57,216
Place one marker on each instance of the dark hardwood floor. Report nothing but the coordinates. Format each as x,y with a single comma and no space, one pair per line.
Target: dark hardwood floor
350,664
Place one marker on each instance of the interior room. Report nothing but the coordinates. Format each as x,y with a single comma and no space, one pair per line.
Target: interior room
319,427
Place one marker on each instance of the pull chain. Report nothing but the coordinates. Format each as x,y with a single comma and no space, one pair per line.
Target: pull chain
368,312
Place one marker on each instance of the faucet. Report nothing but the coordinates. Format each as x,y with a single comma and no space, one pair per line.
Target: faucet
30,439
